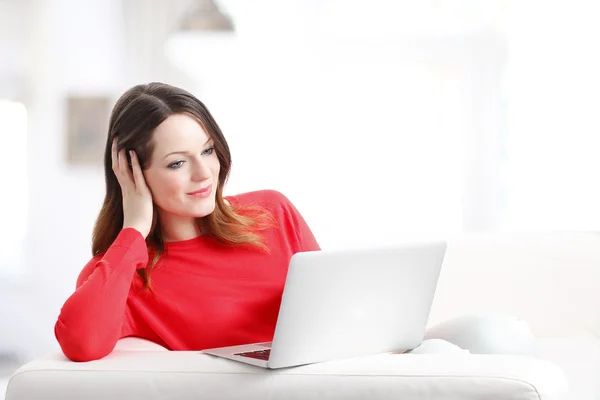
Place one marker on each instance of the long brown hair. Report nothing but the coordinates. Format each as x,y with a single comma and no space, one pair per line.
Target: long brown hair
133,120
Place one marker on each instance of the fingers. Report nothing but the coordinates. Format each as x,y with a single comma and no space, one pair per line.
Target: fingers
120,167
138,175
115,157
124,168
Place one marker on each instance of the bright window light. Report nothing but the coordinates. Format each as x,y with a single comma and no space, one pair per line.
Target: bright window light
14,200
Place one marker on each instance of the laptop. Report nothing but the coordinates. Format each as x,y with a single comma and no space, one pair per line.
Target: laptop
349,303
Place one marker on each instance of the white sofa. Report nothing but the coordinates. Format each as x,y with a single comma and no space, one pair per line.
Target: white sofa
549,280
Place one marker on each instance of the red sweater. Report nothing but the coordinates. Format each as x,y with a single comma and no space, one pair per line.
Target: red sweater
206,294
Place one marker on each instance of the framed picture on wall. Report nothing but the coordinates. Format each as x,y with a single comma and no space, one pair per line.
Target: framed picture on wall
87,128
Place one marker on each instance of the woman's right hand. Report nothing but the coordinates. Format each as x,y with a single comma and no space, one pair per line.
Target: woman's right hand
137,199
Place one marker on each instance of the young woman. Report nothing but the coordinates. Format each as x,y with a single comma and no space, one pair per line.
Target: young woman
174,261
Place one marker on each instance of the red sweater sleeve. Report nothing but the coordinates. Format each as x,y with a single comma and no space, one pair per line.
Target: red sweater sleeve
91,319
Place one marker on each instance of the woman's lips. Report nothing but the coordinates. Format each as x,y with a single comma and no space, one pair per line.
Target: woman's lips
202,192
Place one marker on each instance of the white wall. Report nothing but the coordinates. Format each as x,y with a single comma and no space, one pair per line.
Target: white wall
552,84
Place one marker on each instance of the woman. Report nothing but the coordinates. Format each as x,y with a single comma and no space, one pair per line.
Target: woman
174,261
177,263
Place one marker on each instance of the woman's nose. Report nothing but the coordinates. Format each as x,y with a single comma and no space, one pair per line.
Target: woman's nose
200,171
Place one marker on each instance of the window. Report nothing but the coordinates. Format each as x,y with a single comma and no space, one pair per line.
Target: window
14,198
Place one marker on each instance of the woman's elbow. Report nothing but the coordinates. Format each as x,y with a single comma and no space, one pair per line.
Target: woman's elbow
80,348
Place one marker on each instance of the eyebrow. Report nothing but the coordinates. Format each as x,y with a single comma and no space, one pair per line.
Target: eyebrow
184,152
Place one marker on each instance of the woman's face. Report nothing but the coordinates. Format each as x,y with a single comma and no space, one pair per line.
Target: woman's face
183,171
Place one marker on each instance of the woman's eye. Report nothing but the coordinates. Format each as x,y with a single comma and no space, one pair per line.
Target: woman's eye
176,164
209,151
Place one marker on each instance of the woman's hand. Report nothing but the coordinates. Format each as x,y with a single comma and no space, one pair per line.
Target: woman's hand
137,199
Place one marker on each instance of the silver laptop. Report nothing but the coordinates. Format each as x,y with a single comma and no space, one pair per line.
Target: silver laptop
349,303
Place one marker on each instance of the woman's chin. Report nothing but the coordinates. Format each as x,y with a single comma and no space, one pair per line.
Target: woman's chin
197,210
202,211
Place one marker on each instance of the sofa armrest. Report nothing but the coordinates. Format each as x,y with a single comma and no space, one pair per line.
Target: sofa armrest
137,344
550,280
147,375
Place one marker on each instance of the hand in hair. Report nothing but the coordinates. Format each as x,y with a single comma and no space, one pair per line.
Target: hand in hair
137,199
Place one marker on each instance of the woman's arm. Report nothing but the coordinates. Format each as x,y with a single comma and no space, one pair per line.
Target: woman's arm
91,319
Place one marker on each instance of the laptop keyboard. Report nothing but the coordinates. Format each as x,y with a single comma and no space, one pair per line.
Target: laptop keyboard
259,354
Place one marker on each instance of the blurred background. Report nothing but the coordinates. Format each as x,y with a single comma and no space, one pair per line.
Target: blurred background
381,120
